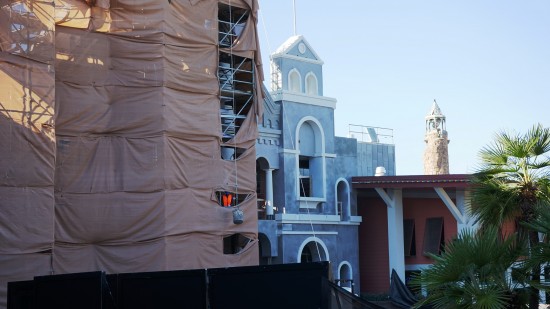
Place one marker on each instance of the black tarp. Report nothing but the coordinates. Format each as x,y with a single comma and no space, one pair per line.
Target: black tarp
400,295
343,299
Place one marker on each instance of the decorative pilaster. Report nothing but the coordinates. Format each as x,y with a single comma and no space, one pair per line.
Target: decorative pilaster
269,193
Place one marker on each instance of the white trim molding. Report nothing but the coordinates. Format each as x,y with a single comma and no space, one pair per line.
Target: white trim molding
282,95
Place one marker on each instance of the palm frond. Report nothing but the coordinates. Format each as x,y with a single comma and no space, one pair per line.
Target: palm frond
540,138
471,273
513,164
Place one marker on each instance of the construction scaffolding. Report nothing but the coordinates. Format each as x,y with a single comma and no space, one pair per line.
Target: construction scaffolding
123,124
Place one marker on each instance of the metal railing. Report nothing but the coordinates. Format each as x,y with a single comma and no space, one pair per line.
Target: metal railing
366,134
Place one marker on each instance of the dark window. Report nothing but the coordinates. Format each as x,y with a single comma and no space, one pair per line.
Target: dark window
305,186
229,198
235,243
305,177
304,166
306,256
409,237
433,236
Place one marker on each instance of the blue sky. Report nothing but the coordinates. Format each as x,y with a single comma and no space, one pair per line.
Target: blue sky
487,63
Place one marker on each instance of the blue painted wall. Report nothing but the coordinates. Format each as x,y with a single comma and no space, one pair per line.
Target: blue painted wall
343,158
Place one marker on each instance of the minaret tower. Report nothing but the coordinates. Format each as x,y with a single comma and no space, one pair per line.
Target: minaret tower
436,155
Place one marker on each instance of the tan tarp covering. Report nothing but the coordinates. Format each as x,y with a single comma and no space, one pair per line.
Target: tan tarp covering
110,138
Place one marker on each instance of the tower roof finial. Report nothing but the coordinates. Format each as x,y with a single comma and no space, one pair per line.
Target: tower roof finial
435,111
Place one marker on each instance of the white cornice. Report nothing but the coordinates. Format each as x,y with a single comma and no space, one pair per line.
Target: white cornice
301,59
269,132
291,151
331,220
282,95
308,233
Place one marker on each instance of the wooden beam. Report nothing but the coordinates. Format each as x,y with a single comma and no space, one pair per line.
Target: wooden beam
387,199
450,204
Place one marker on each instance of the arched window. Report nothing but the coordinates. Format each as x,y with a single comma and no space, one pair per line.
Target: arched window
311,160
342,199
312,87
294,81
345,277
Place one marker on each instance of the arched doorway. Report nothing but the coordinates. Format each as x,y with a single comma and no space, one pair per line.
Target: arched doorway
313,249
264,249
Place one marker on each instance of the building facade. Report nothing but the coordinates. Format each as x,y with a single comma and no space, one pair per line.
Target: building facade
128,133
307,208
405,218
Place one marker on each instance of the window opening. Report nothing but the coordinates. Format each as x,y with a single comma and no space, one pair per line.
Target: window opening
305,177
345,278
409,237
310,161
294,81
311,84
235,243
231,153
433,236
342,200
230,199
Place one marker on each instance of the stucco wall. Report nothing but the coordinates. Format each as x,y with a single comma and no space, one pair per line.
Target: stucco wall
303,68
371,155
419,209
293,113
373,240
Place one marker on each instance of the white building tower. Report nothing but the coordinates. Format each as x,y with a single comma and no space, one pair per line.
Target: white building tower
436,155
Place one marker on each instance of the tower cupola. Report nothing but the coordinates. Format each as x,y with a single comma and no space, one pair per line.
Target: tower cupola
436,155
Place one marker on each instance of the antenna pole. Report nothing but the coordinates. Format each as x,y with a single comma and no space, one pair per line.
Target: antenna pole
294,11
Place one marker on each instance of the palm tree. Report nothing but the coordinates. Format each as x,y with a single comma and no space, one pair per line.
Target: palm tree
471,273
513,184
540,255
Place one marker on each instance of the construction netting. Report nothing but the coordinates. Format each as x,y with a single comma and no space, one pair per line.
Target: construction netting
111,140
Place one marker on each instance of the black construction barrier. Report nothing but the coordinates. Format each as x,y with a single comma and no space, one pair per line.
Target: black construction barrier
273,286
301,286
81,290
